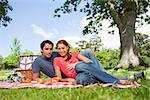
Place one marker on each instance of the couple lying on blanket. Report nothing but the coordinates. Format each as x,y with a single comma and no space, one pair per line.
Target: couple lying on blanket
69,66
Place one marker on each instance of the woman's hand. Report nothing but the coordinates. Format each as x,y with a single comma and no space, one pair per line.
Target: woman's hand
72,80
70,66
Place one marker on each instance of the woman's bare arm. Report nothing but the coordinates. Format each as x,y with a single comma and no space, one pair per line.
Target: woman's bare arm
58,72
80,57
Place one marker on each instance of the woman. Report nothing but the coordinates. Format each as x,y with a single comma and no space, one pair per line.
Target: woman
76,66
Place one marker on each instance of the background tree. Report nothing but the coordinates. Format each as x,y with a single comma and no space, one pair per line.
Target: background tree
108,58
122,13
95,43
143,44
12,60
15,47
1,58
27,52
4,8
82,44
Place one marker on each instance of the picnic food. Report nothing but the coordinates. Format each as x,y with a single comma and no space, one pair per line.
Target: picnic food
27,80
55,79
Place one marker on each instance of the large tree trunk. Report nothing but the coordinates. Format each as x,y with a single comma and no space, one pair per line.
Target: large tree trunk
129,54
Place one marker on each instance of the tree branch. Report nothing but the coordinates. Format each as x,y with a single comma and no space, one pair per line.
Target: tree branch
113,12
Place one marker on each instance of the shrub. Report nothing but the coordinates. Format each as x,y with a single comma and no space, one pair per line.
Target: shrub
143,46
10,62
108,58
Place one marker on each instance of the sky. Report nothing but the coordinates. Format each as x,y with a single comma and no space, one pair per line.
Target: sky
33,22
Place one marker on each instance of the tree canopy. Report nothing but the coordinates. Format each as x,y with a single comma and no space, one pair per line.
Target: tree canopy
124,14
97,10
4,9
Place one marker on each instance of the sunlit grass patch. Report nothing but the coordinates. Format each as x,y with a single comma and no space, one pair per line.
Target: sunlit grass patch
4,74
82,93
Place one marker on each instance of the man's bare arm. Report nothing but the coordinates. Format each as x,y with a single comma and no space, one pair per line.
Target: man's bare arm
35,76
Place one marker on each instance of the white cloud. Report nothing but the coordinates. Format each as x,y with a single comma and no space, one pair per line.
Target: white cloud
113,41
145,29
109,40
84,22
40,31
72,40
56,31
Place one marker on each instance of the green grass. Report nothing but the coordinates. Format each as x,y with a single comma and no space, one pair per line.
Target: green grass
82,93
4,74
92,93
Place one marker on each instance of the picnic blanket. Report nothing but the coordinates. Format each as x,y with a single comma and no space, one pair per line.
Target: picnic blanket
34,84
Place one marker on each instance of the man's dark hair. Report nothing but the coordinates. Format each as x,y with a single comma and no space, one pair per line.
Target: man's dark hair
44,42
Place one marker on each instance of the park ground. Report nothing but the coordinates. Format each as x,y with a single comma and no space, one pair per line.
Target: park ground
84,93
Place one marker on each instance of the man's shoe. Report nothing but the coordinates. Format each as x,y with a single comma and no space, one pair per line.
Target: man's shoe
140,75
117,68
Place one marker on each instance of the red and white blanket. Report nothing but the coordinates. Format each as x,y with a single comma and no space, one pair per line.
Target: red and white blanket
5,84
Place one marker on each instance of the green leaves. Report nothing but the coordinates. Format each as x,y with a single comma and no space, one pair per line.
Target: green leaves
108,58
143,44
15,47
4,8
97,10
12,61
94,43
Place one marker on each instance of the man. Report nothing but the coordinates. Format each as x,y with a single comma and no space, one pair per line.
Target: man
44,63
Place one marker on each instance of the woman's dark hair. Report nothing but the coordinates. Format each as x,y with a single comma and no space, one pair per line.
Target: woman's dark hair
44,42
66,44
63,42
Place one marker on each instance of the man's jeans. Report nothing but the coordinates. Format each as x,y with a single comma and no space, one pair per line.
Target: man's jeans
93,72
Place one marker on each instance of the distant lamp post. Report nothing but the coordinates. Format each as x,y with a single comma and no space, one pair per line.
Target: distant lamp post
1,58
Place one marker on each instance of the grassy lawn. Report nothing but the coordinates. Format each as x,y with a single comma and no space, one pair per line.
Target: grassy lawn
82,93
4,74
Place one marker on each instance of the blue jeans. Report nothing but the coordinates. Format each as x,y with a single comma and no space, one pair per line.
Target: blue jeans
88,73
88,53
93,72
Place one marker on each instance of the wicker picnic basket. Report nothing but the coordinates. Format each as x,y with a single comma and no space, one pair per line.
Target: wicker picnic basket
27,75
25,67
